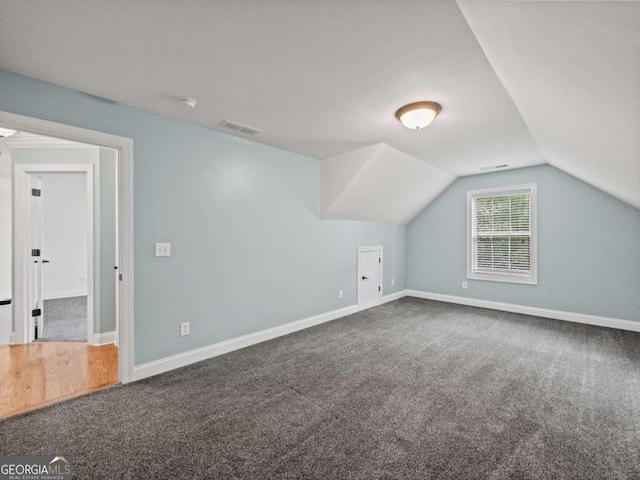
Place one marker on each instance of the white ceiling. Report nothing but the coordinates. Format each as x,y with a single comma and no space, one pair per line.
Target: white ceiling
319,78
520,82
573,71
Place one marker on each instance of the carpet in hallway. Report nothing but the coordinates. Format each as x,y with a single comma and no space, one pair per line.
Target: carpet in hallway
65,320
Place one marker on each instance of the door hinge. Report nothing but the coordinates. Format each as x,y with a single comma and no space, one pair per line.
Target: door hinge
379,260
36,192
36,312
35,252
378,288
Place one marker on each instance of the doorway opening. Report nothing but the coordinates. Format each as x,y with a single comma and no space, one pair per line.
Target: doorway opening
65,238
67,244
61,227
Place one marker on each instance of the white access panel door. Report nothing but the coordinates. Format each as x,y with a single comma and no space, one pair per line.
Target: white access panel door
369,274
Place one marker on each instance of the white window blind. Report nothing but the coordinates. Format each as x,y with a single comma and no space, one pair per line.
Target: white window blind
502,234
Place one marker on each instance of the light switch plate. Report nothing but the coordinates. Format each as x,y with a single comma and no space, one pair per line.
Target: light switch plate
163,249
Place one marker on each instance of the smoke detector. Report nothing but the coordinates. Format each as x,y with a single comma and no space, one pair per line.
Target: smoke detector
187,103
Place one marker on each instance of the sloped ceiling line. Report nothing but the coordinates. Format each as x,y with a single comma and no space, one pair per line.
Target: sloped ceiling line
520,82
572,71
379,184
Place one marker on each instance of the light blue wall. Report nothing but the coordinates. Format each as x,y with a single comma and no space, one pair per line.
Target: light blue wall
588,247
249,251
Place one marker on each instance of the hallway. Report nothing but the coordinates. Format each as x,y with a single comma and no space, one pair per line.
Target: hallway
38,374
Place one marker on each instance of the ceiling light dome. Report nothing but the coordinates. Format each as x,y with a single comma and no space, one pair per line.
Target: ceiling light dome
418,115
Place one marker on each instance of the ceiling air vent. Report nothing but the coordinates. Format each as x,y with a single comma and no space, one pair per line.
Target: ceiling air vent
239,128
493,167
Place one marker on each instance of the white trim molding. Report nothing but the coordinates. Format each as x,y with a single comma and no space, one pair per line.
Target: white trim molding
124,147
534,311
31,140
530,277
104,338
382,300
172,362
197,355
68,294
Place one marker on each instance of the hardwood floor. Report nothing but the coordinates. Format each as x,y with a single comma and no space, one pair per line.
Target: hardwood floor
39,374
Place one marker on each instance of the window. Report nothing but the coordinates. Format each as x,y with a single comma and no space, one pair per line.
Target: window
502,234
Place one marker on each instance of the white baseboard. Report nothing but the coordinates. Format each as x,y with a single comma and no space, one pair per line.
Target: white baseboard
384,299
192,356
535,311
104,338
67,294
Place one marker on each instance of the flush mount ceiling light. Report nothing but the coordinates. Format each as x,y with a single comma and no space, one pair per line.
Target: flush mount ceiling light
187,103
418,115
7,132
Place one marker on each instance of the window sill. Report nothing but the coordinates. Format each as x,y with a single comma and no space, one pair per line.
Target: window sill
504,278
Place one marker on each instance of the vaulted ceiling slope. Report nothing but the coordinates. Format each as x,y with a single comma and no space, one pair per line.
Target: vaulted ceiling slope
380,184
573,71
325,78
319,78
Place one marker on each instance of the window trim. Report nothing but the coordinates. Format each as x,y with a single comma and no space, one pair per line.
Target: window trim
532,279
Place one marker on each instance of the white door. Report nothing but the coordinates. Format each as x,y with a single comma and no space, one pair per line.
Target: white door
32,255
36,319
369,274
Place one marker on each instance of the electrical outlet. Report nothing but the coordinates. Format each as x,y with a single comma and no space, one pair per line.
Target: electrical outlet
340,294
393,282
163,249
184,329
464,284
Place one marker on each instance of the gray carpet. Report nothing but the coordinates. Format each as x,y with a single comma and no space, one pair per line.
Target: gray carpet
65,320
413,389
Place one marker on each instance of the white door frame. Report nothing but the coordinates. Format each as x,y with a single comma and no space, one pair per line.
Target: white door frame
377,248
24,174
124,147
